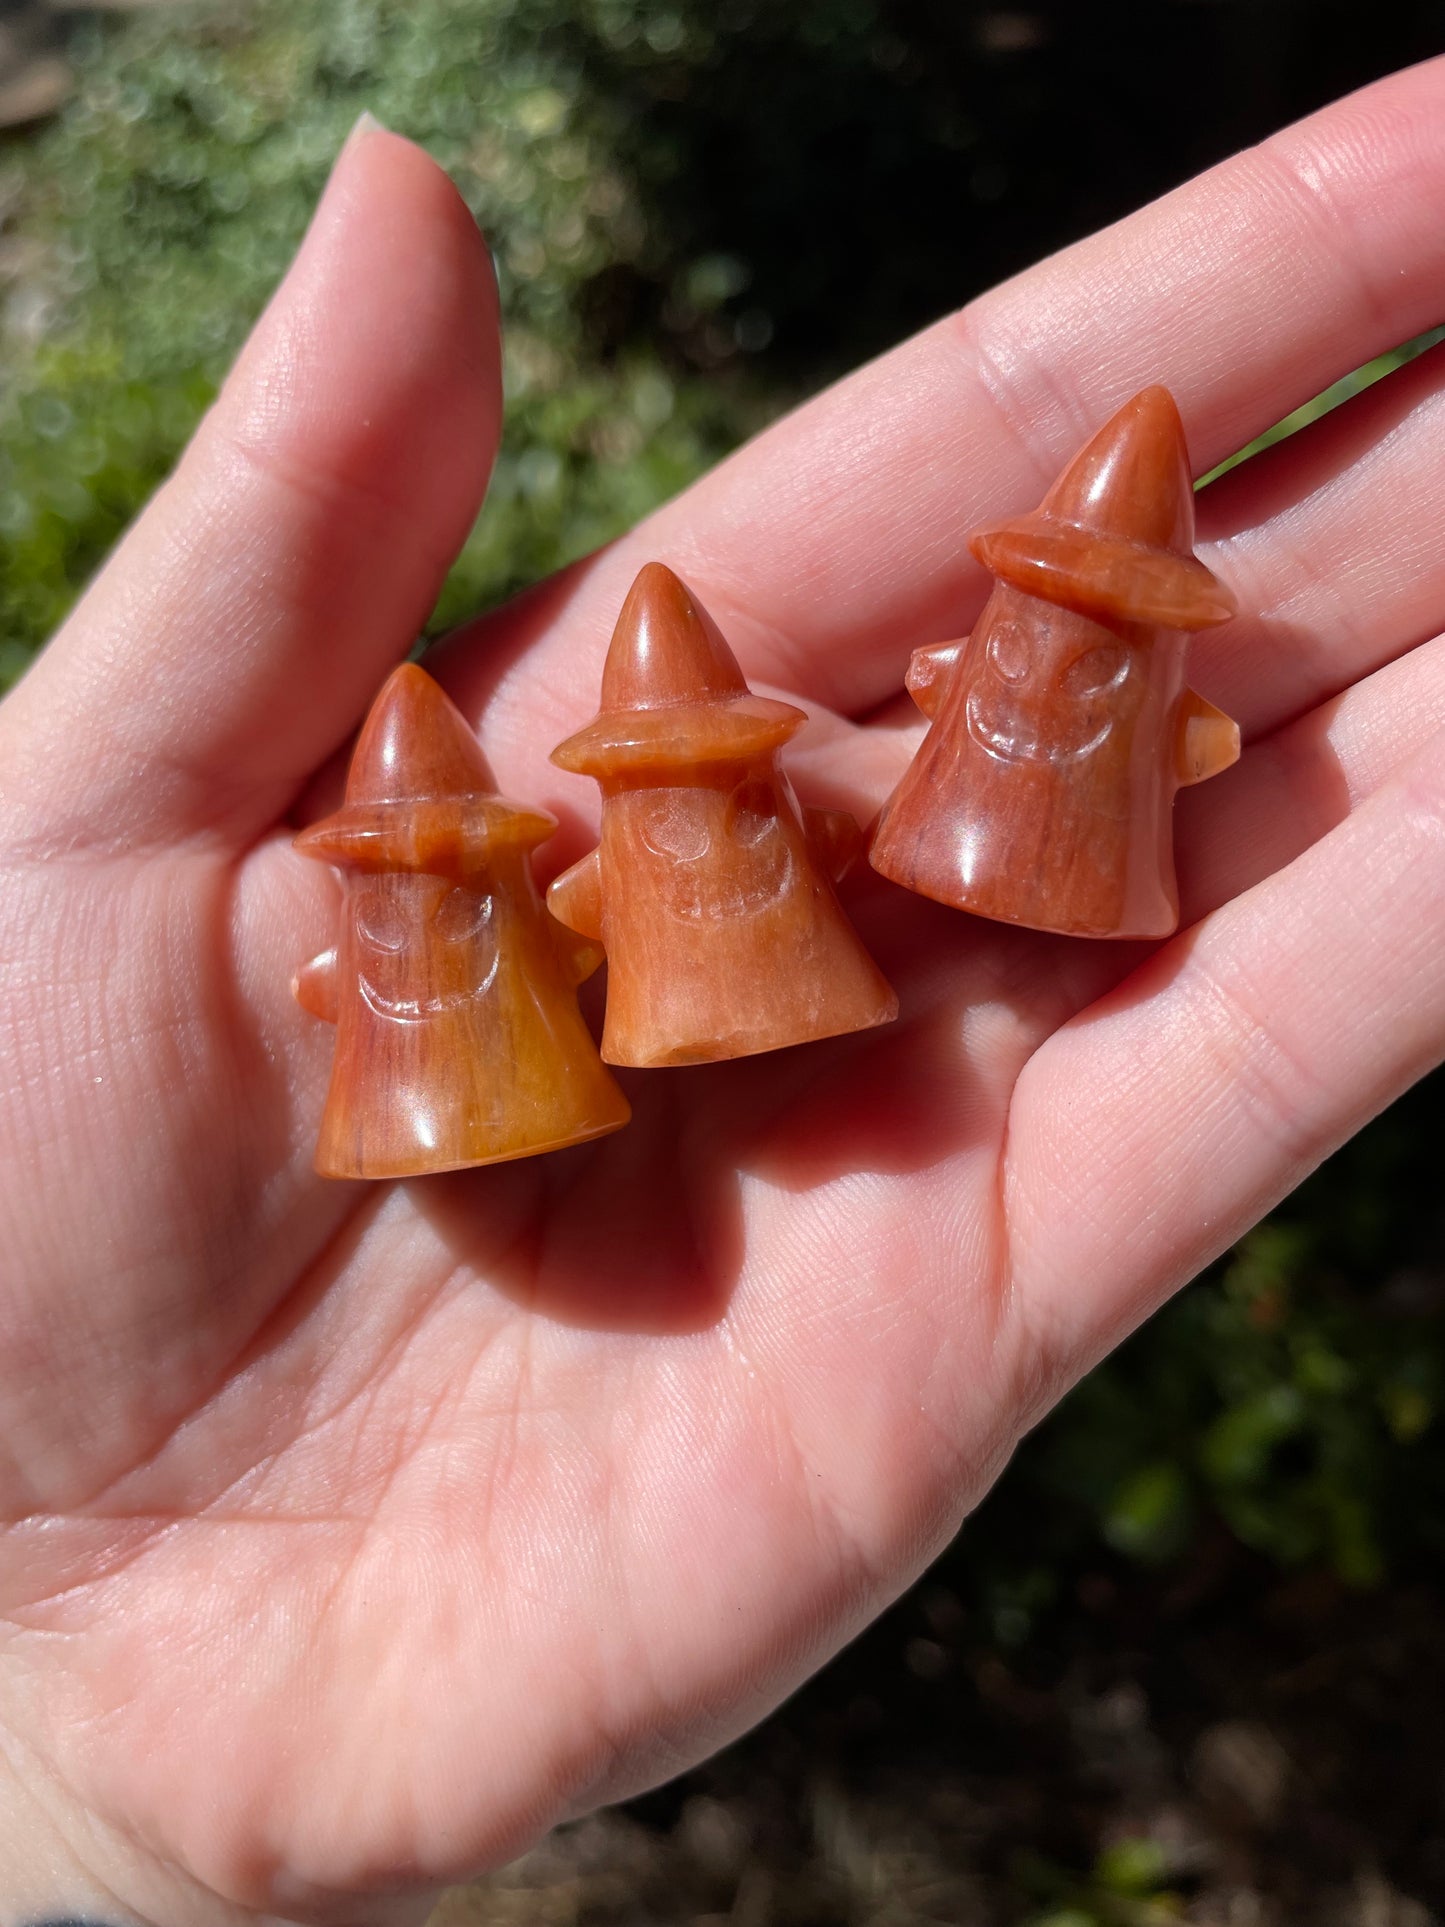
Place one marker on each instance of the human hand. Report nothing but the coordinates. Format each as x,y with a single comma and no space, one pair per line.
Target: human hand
353,1534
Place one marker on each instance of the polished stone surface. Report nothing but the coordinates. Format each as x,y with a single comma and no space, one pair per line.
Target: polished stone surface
711,889
1063,726
453,992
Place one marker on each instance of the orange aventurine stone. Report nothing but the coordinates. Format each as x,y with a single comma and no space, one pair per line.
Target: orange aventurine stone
1062,727
453,992
711,890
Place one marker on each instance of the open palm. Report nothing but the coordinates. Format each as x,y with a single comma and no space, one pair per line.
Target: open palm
353,1534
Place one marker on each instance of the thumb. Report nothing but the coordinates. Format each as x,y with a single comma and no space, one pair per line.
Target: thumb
235,637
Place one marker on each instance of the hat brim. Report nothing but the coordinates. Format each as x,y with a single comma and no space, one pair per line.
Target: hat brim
435,835
731,729
1103,575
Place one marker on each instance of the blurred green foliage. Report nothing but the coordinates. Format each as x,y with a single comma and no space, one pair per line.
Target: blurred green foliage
1353,383
166,202
1126,1887
642,172
1292,1399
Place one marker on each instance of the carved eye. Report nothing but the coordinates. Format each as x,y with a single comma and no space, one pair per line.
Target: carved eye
380,923
1008,652
462,915
752,813
1097,670
671,829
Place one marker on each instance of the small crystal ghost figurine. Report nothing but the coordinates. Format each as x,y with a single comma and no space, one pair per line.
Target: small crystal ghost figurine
1062,727
453,992
711,891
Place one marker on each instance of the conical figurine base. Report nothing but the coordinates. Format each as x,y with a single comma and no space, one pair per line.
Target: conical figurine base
726,938
711,890
1061,729
458,1037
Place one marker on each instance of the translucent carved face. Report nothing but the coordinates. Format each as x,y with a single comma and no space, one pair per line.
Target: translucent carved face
720,854
1048,690
423,945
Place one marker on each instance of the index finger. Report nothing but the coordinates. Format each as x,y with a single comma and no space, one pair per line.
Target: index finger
833,543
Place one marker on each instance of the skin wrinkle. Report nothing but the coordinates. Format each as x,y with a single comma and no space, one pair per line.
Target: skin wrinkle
297,609
716,1710
334,494
25,1784
1025,1377
1304,582
1307,175
1301,177
1341,638
226,1371
504,1456
847,1540
429,1417
1368,745
1260,1064
1047,1351
1327,680
106,947
528,1823
199,923
132,825
380,1368
177,1878
1422,790
163,1527
1043,1366
613,1546
80,841
1006,388
1344,479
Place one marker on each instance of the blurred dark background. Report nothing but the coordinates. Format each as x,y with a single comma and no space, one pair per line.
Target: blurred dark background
1185,1664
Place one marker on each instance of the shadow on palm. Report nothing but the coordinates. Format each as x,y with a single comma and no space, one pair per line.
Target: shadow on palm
646,1231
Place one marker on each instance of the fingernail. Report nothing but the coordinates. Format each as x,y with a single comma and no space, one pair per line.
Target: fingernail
365,123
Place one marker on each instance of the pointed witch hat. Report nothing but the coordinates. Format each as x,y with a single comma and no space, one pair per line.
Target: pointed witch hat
419,794
1114,536
672,691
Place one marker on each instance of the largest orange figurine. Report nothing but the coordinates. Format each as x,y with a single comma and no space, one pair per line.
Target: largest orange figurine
711,890
1061,729
453,992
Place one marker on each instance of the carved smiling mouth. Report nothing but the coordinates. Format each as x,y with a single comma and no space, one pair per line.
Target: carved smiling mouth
451,923
705,883
1004,723
415,1010
702,899
1006,730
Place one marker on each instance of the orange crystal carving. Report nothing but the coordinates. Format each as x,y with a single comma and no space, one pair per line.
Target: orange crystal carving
453,992
711,891
1062,727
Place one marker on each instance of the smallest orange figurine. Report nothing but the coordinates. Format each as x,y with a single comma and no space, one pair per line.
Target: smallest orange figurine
453,992
1062,727
711,890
